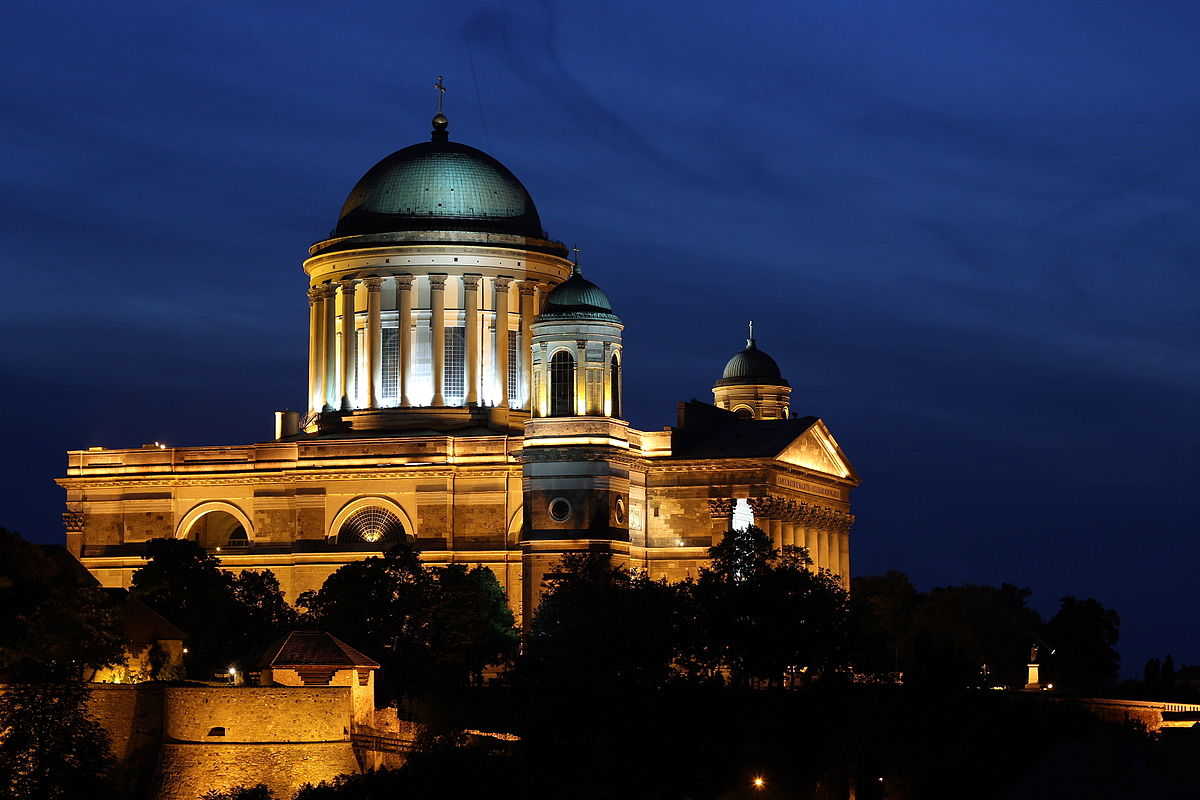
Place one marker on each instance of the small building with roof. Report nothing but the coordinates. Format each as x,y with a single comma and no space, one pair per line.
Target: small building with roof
317,658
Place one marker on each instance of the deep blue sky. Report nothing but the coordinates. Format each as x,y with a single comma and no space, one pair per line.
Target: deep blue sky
967,231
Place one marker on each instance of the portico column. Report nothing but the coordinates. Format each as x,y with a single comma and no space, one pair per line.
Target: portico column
501,359
789,533
437,320
374,374
527,302
347,351
811,543
314,349
329,348
404,334
823,546
844,552
474,356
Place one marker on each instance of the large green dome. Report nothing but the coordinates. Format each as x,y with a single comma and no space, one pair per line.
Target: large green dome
578,298
439,185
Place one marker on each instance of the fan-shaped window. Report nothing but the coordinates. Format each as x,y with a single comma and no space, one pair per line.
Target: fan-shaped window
371,526
614,384
562,384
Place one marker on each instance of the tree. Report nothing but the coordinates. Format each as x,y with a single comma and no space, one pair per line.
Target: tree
882,609
601,628
759,613
972,635
50,749
383,606
1082,637
52,624
228,620
472,625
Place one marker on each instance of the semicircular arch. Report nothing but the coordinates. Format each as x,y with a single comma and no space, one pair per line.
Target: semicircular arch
369,501
207,507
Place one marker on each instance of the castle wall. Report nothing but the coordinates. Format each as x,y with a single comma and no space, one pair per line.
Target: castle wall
257,714
190,770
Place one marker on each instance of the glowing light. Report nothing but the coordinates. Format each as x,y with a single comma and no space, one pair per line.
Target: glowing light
232,671
759,783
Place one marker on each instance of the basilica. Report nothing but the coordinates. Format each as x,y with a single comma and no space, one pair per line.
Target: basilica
465,385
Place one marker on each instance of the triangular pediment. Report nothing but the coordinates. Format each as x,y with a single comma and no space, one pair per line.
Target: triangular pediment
816,449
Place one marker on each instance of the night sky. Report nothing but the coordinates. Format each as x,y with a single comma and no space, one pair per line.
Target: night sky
967,232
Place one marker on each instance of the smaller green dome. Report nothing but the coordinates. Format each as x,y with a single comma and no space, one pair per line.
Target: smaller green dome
751,366
578,298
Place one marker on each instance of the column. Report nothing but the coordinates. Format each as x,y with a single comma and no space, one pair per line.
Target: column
501,359
811,542
835,559
437,322
581,378
789,533
776,530
844,552
347,349
329,348
823,547
474,356
527,303
720,511
314,349
374,374
404,333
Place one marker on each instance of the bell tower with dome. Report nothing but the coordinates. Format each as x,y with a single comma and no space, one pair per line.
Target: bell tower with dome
465,393
752,386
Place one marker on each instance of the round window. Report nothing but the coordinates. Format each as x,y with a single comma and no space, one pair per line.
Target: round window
619,511
560,509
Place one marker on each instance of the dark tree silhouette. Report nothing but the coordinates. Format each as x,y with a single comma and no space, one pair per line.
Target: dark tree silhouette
600,628
882,611
50,749
52,624
258,792
759,614
472,625
1083,637
228,620
383,606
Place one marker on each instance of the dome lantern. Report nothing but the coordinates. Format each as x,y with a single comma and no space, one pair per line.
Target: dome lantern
752,386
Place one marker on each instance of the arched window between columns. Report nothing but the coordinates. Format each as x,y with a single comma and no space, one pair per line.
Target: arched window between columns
562,384
614,384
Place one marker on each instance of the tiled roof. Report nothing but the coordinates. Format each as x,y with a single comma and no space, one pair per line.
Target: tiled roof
315,649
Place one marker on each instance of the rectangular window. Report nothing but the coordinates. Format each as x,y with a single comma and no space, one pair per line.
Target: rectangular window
391,366
595,391
358,380
514,368
421,392
454,380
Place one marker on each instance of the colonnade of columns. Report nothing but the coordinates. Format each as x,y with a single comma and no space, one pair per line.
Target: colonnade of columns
823,531
346,350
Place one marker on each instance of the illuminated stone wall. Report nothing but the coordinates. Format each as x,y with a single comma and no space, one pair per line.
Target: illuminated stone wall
164,737
190,770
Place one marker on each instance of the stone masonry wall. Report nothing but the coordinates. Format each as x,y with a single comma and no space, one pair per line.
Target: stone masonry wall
258,714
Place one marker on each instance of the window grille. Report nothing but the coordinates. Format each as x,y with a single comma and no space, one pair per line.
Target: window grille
514,368
562,384
376,526
453,380
391,366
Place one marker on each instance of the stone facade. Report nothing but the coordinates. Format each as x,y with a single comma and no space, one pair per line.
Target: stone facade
465,390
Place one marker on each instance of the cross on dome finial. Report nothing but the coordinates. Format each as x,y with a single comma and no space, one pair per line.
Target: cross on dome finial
440,122
575,264
750,341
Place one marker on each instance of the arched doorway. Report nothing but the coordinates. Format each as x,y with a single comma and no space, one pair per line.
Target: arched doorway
216,524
